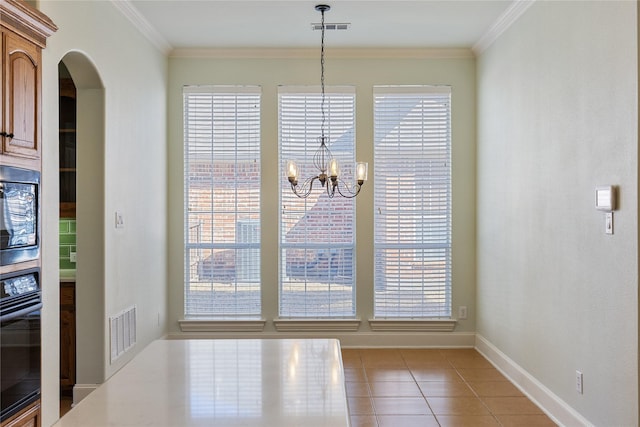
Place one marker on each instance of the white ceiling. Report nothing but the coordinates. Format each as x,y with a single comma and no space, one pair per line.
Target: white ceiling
185,24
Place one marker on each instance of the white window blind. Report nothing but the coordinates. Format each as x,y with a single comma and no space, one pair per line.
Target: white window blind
222,201
412,202
317,243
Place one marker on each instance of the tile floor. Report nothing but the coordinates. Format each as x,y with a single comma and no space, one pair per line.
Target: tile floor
432,387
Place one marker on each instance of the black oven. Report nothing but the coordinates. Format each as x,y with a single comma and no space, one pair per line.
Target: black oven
20,341
19,214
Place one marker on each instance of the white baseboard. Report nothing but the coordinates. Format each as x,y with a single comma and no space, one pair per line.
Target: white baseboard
353,340
80,391
558,410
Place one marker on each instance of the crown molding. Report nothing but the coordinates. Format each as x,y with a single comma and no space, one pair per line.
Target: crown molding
336,53
146,29
27,21
504,21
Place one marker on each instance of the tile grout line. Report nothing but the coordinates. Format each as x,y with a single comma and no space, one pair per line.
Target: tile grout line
435,417
476,395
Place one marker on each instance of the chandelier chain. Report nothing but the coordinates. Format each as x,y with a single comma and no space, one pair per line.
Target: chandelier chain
322,126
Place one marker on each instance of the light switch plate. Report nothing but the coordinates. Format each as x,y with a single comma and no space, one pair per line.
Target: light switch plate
119,220
579,385
608,223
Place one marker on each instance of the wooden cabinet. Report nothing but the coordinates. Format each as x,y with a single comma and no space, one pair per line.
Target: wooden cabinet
22,104
23,31
23,34
28,417
67,336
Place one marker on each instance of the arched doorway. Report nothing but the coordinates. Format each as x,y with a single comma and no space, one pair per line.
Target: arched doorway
89,307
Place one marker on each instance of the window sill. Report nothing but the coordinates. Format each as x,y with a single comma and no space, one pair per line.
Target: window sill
222,325
412,325
317,325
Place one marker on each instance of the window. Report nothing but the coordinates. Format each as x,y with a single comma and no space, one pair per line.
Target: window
222,201
317,243
412,202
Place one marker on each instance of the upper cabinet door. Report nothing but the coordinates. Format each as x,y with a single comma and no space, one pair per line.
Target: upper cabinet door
22,92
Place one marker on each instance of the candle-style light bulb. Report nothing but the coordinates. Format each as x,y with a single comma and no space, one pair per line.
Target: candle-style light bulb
292,171
361,171
334,169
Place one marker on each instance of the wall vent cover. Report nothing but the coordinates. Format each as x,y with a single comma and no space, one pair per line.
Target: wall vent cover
123,332
328,26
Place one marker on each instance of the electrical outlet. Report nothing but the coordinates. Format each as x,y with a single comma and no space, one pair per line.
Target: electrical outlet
579,382
462,312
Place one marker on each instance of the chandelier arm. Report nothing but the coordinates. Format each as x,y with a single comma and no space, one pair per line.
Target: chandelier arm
351,193
304,190
330,192
331,187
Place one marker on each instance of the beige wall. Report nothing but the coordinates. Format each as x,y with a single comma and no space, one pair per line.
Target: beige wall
558,116
292,68
130,146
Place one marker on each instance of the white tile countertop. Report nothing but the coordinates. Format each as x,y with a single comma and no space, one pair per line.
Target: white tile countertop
226,382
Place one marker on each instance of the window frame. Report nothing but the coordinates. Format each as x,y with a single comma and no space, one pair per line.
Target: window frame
247,135
435,281
335,129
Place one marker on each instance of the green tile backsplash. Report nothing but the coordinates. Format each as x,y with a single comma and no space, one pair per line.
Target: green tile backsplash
67,243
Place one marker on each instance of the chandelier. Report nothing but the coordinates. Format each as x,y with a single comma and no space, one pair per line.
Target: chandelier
327,165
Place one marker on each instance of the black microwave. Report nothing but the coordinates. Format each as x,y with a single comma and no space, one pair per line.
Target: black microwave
19,214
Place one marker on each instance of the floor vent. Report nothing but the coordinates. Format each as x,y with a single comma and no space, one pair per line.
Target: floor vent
123,332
